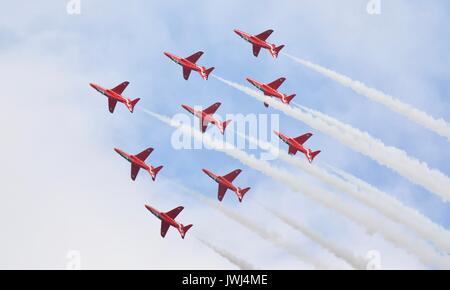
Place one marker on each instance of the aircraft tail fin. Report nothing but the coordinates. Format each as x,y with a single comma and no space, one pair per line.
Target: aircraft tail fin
242,192
288,99
207,72
154,171
184,229
312,155
133,103
223,126
276,50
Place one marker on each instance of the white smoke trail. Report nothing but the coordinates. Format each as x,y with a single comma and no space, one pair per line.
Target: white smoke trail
387,205
414,170
238,262
372,223
349,257
272,237
408,216
438,126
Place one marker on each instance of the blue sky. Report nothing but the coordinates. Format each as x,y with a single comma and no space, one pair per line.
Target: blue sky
60,131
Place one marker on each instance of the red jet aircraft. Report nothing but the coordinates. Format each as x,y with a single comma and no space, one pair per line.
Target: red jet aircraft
168,219
270,90
259,41
138,161
115,95
225,183
206,117
296,144
188,64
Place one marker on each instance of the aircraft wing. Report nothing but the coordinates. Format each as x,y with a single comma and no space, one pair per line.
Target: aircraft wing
276,83
193,58
212,109
186,73
203,125
302,139
232,175
144,154
175,212
221,193
164,228
120,88
256,49
112,104
134,171
292,150
264,35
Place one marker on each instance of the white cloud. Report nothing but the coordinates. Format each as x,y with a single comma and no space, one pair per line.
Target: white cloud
64,188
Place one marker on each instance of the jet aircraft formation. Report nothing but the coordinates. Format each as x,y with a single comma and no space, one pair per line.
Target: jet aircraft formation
225,182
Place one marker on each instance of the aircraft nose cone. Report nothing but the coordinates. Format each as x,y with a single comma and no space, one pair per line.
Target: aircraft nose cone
167,54
92,85
148,207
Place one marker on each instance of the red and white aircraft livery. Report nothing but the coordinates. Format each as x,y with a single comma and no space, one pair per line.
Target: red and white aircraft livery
206,117
115,95
259,41
138,161
168,219
225,183
296,144
188,64
271,90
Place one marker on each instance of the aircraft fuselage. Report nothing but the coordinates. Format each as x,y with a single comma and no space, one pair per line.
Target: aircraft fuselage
166,219
221,180
204,117
110,94
292,142
267,90
133,159
186,63
253,39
